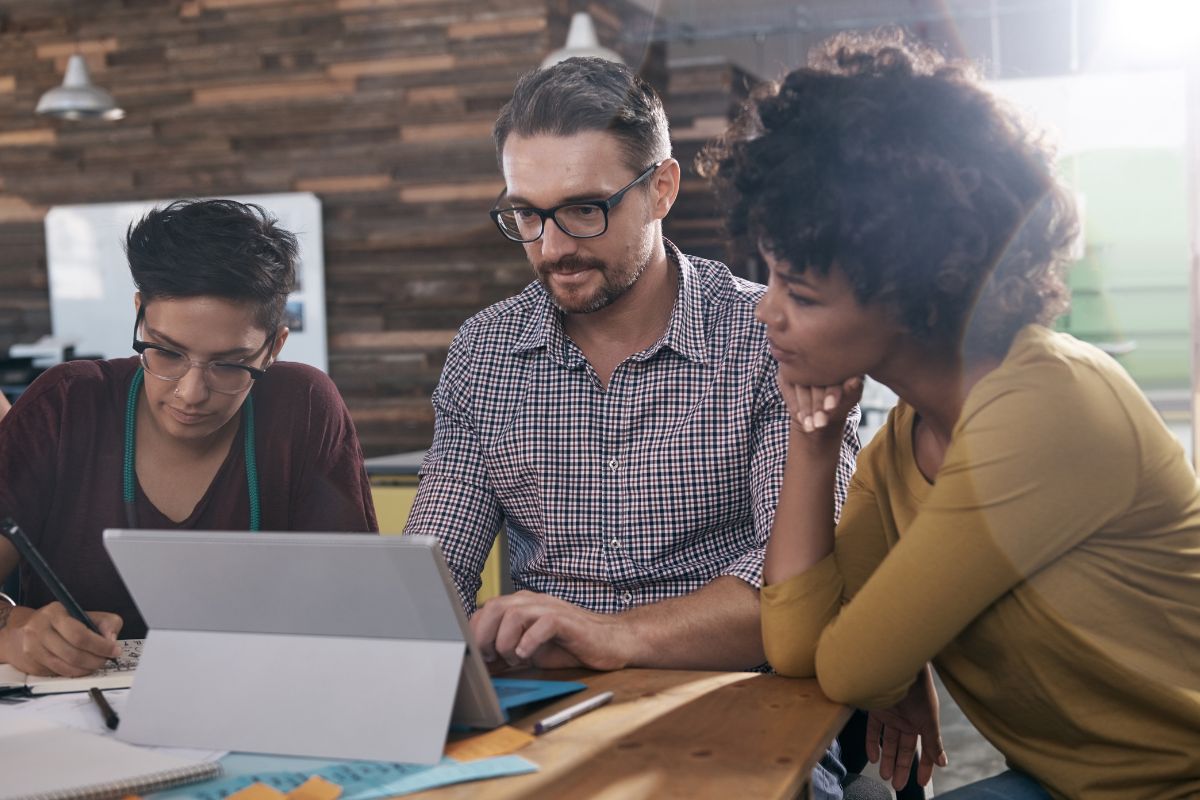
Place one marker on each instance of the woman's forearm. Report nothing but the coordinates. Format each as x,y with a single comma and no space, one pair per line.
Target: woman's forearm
802,532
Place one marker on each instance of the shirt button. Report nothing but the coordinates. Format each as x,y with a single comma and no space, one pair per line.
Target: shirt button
612,464
627,598
614,543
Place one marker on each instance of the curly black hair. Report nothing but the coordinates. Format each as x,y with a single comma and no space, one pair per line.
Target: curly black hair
928,193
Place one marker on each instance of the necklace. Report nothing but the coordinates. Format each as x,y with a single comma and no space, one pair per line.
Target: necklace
127,472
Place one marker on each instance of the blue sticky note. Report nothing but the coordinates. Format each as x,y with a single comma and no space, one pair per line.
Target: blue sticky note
514,692
448,772
360,780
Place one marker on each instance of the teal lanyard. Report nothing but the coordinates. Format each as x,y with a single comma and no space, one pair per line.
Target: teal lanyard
130,440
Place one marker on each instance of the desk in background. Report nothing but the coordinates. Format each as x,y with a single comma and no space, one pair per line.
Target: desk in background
393,489
673,733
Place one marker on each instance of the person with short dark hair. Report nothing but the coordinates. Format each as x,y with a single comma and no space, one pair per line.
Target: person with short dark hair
1024,520
204,429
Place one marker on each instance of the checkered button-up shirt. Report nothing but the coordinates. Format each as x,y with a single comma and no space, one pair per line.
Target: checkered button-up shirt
619,496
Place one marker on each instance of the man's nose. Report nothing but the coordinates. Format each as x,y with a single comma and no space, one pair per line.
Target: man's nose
555,243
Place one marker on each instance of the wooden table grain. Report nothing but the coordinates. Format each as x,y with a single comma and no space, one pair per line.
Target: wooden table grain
673,734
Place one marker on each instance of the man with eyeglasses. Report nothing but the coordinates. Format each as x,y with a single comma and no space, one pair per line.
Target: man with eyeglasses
620,415
204,429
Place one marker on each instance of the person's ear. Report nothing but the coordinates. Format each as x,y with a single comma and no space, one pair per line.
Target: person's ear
280,338
664,185
137,302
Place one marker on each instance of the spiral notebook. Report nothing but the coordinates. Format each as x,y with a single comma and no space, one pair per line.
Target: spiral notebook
59,763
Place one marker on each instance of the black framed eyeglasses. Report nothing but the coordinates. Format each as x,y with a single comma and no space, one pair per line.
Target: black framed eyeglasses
224,377
581,219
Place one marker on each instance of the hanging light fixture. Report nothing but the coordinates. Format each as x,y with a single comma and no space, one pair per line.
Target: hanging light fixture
79,98
581,41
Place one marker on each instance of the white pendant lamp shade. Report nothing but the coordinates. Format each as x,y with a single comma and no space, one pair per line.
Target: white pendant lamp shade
78,97
582,41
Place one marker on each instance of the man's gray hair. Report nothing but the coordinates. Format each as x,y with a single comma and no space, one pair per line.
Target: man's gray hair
588,94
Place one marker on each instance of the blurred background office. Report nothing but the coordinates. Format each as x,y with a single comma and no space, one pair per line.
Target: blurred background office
377,114
382,109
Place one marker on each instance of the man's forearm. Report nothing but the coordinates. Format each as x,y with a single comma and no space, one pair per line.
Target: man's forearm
715,627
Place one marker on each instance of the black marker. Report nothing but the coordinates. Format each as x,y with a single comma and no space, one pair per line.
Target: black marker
110,717
11,531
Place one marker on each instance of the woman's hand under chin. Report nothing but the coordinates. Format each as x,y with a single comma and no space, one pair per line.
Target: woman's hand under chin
820,410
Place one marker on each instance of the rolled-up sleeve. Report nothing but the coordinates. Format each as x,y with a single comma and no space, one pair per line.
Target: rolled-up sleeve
454,500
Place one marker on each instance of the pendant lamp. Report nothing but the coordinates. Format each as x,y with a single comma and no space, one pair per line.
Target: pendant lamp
79,98
581,41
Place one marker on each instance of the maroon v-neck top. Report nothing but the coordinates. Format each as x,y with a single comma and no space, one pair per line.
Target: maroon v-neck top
61,453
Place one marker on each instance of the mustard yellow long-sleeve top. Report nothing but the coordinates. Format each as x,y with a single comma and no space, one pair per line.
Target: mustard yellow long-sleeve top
1051,573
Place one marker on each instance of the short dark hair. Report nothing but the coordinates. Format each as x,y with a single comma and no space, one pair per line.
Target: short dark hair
588,94
214,248
926,191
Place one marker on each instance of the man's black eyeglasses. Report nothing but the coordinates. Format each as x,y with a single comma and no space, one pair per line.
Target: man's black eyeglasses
582,219
226,377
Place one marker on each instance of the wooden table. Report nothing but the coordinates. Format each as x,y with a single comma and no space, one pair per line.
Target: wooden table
674,733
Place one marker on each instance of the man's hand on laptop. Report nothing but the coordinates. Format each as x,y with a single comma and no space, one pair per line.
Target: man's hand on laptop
531,629
49,641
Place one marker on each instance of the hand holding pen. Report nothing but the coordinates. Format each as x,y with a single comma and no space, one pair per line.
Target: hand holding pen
59,638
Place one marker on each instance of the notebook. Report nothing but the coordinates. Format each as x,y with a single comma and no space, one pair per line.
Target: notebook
59,763
118,676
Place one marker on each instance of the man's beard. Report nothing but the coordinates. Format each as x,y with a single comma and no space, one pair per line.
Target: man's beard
613,284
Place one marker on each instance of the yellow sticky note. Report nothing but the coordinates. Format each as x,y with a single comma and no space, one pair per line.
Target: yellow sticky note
315,788
257,791
501,741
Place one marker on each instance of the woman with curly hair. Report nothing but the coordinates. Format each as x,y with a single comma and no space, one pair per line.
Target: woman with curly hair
1025,521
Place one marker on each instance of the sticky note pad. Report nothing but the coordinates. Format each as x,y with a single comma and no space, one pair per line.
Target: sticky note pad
258,791
501,741
315,788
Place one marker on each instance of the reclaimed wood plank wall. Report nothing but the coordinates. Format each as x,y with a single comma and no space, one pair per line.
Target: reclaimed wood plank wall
383,108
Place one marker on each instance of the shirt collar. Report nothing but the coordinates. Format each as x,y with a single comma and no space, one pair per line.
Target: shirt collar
685,330
543,327
684,334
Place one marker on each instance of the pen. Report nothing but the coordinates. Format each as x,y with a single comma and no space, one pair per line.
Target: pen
110,717
567,714
12,531
33,558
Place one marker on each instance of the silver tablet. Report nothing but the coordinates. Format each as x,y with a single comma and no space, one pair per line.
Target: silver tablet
366,619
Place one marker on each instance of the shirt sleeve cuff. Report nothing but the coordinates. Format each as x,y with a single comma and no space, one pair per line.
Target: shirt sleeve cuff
748,567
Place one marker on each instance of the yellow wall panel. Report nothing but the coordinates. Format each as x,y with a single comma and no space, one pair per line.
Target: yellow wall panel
392,505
